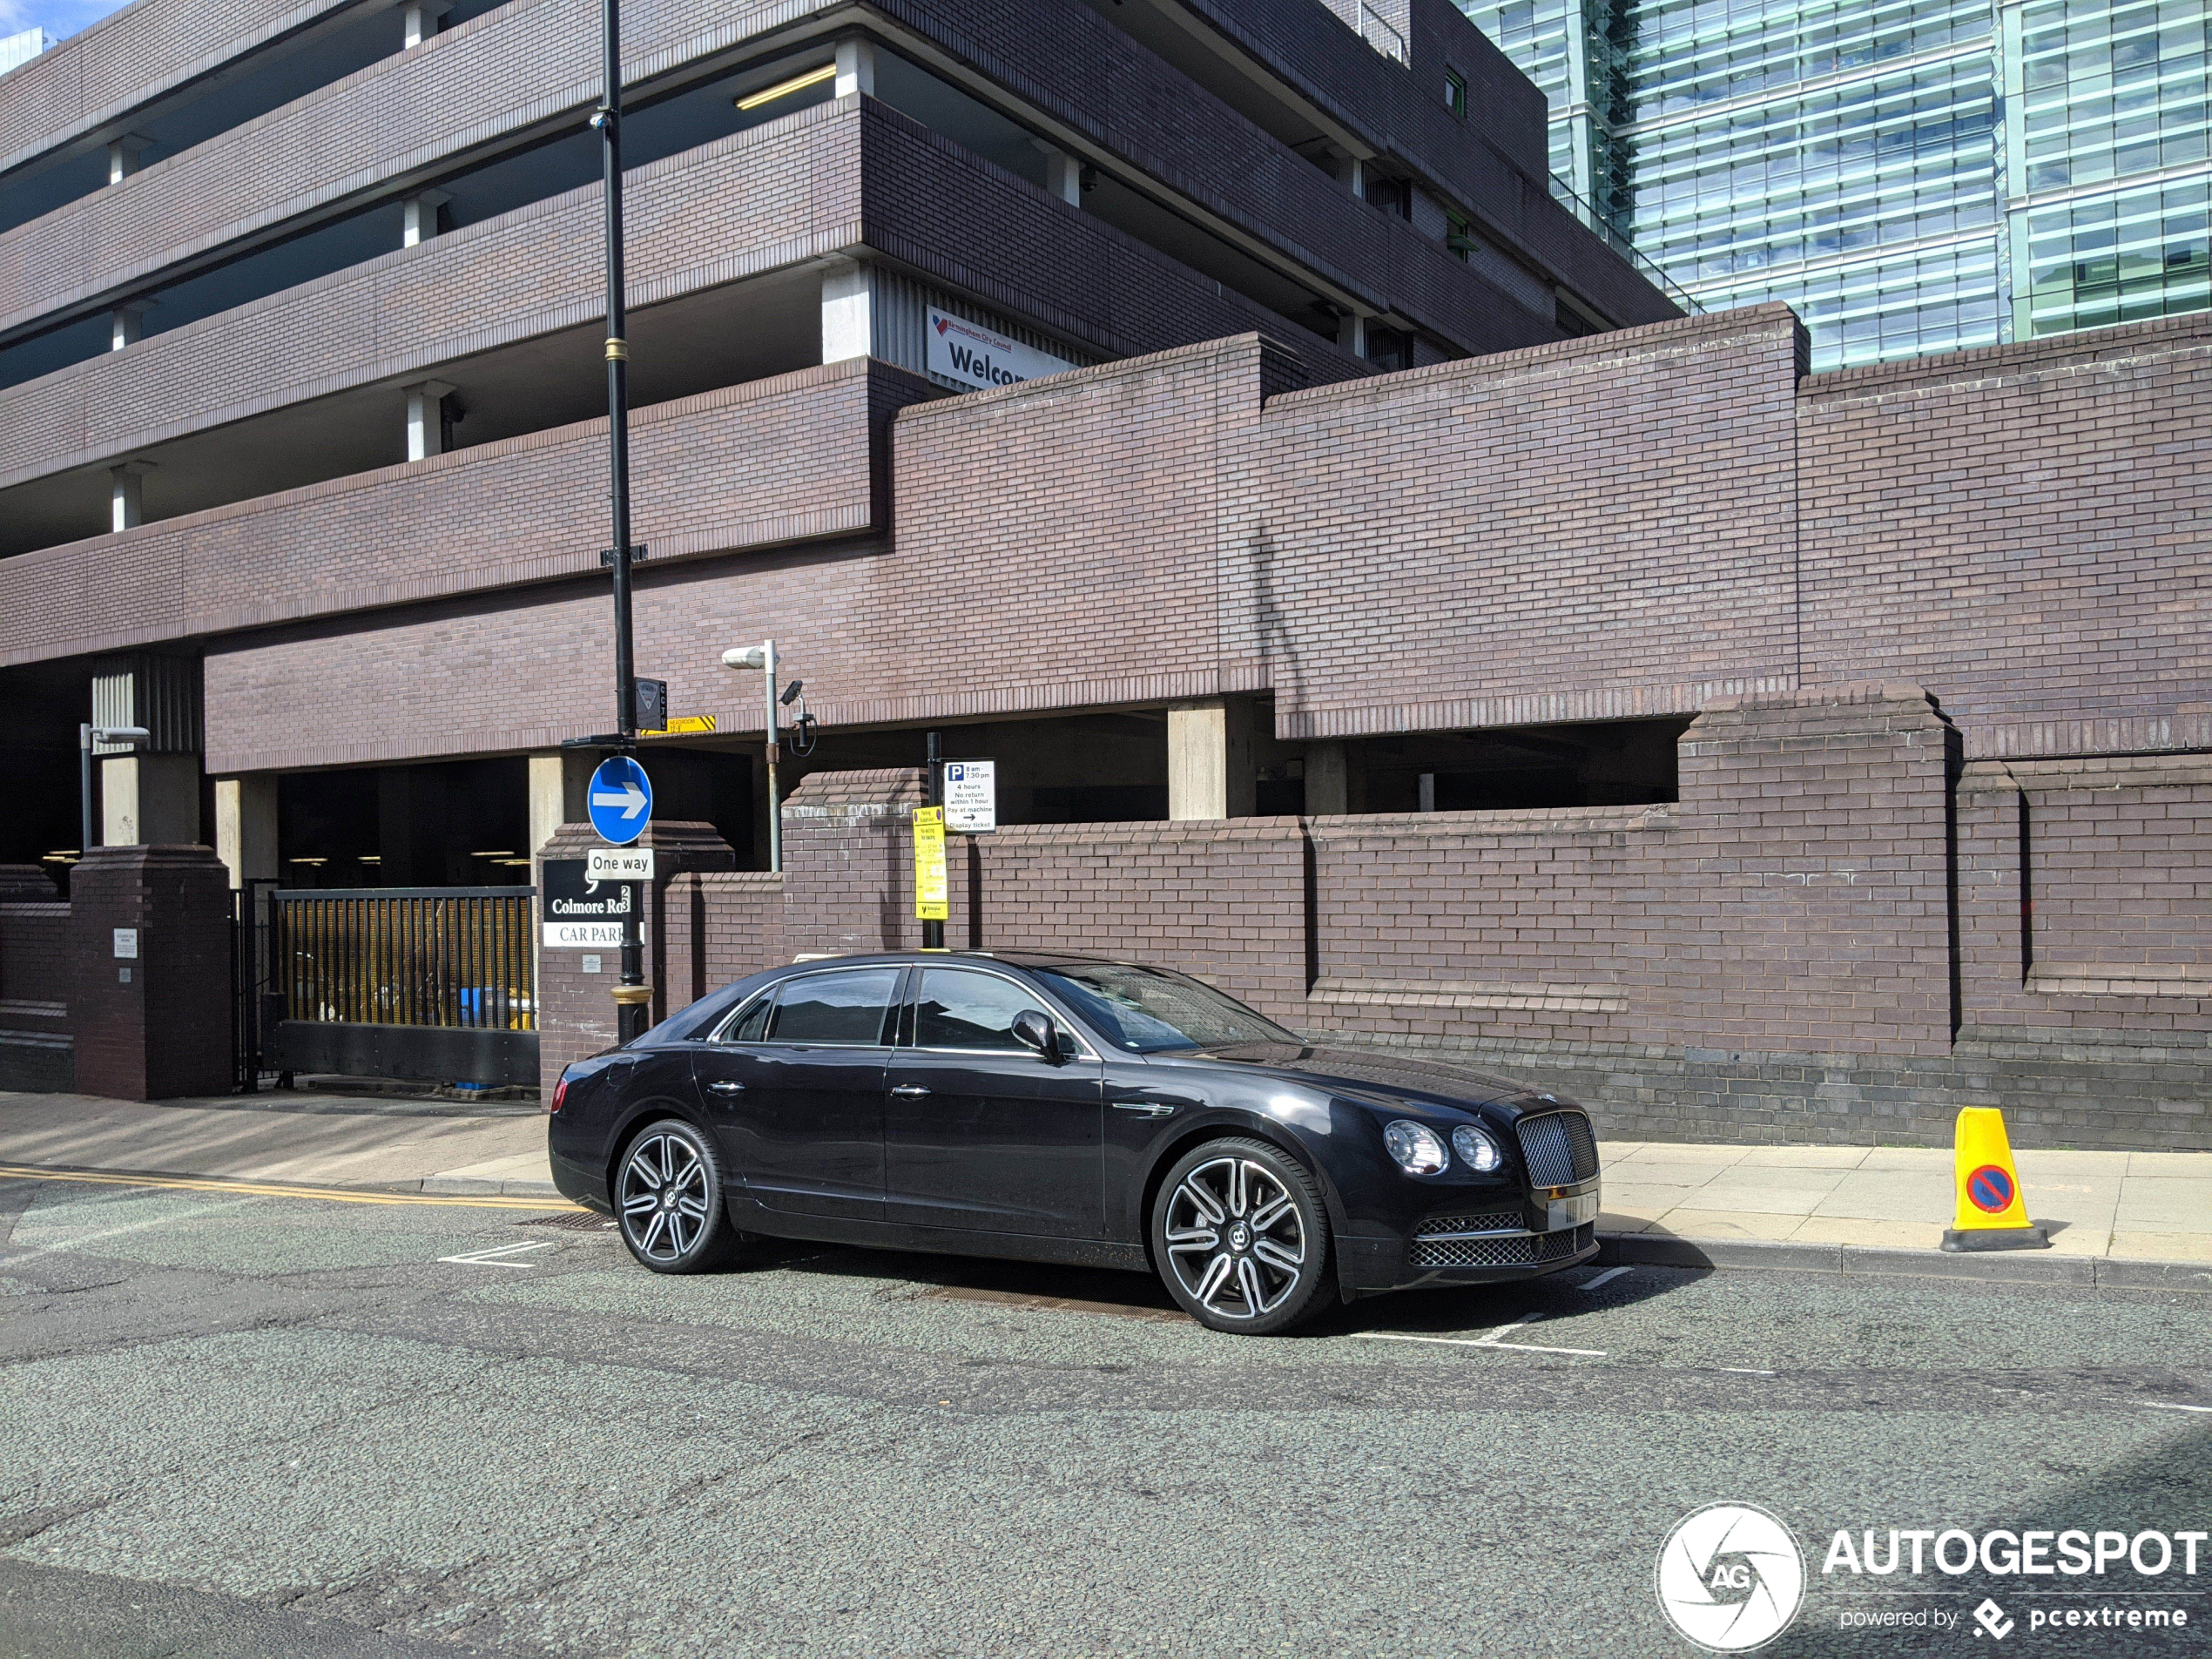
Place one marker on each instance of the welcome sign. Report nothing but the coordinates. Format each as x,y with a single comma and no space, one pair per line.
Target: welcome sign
973,356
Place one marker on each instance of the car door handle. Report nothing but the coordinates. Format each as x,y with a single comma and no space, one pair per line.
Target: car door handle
1143,1108
910,1091
727,1088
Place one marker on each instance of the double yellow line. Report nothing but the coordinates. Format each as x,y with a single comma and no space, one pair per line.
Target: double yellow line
277,1189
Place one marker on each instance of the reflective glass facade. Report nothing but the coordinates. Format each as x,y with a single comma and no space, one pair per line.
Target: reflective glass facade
1911,175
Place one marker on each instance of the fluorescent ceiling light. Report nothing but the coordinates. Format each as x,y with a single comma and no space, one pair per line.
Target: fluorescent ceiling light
784,89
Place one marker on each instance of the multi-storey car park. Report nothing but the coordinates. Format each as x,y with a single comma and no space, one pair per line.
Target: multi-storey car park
1396,609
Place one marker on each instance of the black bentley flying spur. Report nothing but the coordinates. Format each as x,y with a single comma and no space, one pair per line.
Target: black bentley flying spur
1064,1109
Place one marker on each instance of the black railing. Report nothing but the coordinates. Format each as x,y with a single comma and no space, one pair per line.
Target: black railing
456,957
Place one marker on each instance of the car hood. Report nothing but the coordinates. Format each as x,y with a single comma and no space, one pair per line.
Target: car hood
1356,1071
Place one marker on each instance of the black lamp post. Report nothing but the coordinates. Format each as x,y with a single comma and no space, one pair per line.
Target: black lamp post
631,993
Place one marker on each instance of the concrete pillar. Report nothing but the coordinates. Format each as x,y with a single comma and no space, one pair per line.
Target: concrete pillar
123,156
150,800
855,67
849,310
127,495
245,827
1063,175
558,783
1352,334
126,323
426,418
1328,779
1211,772
421,20
418,215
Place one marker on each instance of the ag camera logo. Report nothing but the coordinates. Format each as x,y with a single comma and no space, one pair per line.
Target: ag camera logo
1731,1577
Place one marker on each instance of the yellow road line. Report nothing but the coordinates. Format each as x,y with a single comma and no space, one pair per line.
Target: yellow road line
274,1190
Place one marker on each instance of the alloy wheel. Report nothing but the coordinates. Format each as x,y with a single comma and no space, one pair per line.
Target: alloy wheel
1235,1241
664,1196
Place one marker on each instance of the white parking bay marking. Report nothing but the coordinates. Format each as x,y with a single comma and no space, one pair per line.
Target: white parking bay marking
1478,1342
1606,1278
2170,1405
489,1257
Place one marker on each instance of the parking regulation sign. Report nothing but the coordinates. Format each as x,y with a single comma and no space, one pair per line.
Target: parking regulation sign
971,797
1990,1189
620,800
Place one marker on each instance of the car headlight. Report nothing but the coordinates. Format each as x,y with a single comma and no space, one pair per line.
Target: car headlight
1416,1147
1476,1150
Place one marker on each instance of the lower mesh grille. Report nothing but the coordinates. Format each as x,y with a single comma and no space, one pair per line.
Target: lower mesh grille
1493,1221
1521,1249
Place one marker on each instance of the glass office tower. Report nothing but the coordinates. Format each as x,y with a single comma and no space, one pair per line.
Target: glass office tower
1911,175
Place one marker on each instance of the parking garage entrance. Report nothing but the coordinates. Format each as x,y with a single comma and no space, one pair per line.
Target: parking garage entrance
430,984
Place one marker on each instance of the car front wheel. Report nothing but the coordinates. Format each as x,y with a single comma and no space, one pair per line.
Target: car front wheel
1242,1239
668,1197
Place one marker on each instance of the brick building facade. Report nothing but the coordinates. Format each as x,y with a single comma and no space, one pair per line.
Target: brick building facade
1584,687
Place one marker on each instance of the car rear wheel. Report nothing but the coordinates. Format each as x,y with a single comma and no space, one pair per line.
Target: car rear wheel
1241,1239
668,1197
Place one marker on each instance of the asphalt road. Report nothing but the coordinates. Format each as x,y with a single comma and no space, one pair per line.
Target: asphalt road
238,1425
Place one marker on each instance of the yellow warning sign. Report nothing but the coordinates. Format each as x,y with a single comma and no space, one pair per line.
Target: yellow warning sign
932,894
1991,1212
691,723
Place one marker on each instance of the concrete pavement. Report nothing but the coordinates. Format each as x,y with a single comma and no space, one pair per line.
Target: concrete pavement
310,1140
1738,1203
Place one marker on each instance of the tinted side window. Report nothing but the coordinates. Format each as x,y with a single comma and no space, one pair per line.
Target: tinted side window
752,1025
851,1007
957,1010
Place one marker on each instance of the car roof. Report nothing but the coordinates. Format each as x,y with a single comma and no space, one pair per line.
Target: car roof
1004,958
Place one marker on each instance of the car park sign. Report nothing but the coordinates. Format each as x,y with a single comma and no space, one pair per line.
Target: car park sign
620,800
971,797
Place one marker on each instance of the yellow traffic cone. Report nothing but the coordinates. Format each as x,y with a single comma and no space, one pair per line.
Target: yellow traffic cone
1990,1213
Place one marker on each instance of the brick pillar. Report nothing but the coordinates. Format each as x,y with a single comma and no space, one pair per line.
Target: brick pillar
151,1012
576,1011
848,862
1814,885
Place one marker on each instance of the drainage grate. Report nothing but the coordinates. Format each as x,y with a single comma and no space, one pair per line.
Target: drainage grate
573,1221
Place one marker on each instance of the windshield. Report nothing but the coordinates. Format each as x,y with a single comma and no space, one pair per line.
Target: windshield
1145,1009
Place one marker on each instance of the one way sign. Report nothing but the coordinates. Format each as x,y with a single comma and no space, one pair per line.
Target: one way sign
620,800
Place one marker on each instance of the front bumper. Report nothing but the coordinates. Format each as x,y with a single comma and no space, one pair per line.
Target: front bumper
1544,1233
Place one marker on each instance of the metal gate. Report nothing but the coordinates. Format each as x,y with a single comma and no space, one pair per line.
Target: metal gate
435,983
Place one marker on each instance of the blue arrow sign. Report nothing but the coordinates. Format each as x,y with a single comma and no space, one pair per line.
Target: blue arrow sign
620,800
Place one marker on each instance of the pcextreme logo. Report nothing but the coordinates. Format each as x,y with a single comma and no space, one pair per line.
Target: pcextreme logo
1731,1577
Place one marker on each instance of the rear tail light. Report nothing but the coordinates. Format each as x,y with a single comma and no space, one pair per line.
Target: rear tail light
560,1089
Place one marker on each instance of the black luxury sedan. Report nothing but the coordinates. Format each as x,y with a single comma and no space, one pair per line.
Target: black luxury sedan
1064,1109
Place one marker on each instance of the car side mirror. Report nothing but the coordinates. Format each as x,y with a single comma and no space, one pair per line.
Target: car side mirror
1032,1030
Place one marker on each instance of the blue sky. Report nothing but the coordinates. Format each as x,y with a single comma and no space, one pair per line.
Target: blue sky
59,19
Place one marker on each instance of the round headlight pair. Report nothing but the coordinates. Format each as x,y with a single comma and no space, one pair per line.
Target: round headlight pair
1476,1150
1420,1151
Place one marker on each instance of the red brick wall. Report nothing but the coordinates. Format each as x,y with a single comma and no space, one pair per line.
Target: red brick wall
131,57
1583,531
2024,530
1537,926
2110,931
517,511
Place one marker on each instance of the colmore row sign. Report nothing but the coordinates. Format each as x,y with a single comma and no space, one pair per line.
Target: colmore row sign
973,355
